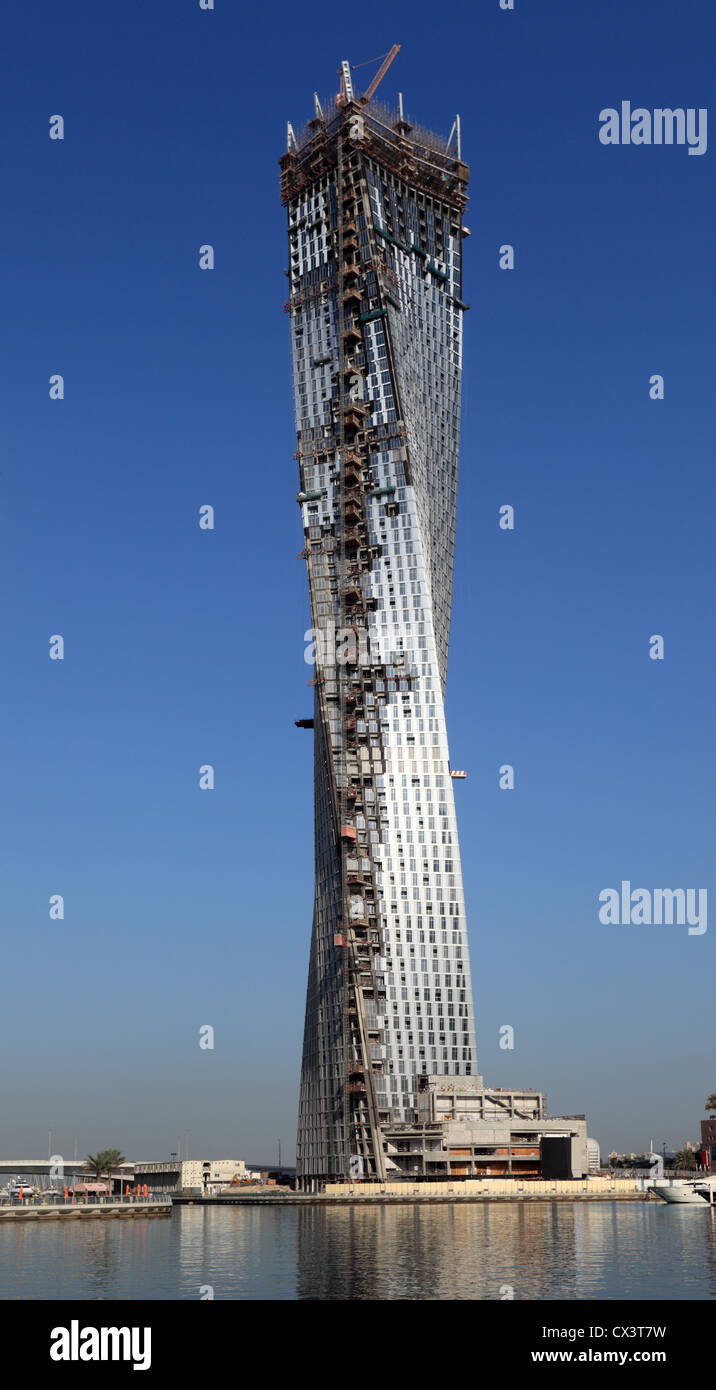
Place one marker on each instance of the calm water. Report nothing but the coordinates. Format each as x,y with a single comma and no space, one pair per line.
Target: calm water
545,1250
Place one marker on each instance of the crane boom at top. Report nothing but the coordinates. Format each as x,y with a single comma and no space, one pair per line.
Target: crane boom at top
395,50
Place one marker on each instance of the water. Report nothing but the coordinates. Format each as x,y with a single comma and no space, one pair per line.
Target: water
538,1250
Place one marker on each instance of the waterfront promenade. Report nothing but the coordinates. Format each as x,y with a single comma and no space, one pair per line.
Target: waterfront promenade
82,1211
419,1193
469,1190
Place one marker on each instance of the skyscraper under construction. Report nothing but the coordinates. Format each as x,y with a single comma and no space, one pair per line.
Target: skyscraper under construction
375,209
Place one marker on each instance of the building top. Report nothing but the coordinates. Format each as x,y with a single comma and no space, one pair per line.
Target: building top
417,154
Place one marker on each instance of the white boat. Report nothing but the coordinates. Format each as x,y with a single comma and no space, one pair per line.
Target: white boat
692,1192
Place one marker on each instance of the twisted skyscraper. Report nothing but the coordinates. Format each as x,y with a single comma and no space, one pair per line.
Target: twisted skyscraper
375,268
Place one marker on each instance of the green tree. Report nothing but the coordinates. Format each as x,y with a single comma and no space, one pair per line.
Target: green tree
102,1163
685,1158
711,1102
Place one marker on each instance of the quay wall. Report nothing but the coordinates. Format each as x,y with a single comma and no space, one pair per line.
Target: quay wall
104,1211
464,1190
605,1188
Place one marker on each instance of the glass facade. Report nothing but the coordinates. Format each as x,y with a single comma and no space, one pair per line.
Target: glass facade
375,267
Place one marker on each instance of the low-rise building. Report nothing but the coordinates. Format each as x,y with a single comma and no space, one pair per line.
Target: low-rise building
202,1176
708,1144
464,1129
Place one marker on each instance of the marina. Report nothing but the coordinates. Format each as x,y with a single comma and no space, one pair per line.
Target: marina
685,1192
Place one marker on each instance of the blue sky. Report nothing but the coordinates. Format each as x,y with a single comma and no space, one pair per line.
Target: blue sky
182,647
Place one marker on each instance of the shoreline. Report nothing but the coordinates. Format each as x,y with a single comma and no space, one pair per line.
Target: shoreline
384,1199
105,1211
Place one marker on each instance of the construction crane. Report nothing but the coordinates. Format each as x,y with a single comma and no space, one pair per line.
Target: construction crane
346,92
395,50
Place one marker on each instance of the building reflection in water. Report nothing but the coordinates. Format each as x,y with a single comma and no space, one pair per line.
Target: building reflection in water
490,1250
527,1250
474,1251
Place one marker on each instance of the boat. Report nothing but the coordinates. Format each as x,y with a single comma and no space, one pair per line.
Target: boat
692,1192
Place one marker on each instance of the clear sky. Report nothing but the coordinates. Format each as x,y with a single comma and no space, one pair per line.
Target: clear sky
184,647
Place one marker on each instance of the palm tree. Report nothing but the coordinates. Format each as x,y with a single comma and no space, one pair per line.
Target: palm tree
112,1159
95,1163
102,1163
685,1158
711,1102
